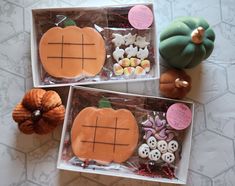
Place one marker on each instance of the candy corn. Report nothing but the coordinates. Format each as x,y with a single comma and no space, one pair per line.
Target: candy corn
129,71
145,64
135,62
139,71
125,62
117,69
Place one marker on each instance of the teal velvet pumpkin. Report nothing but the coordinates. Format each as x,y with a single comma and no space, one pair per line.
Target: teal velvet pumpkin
186,42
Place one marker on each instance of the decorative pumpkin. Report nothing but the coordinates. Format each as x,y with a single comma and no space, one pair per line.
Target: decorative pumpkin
72,51
186,42
39,112
174,84
104,134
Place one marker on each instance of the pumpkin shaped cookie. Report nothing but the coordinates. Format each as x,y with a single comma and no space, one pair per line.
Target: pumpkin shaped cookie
39,112
104,134
72,51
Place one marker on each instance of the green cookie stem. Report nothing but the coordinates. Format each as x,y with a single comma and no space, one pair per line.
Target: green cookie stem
104,103
69,22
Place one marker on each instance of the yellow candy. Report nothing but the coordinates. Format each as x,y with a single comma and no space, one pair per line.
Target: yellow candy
125,62
134,62
146,65
139,71
129,71
117,69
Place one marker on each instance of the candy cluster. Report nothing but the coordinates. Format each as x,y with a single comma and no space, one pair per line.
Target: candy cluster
159,140
131,66
154,126
131,60
155,150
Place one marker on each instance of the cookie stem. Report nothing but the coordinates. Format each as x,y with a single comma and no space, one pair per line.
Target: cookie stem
104,103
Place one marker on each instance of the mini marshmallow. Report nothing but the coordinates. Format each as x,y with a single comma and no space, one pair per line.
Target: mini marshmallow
117,69
139,71
128,71
162,146
152,142
135,62
154,155
118,54
118,40
168,157
131,51
143,151
125,62
129,39
142,53
172,146
145,64
140,42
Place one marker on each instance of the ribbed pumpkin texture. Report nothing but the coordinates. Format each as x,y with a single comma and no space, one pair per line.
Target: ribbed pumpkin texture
39,112
186,42
174,84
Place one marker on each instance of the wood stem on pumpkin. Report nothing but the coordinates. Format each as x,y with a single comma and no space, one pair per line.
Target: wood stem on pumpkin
181,83
198,35
36,115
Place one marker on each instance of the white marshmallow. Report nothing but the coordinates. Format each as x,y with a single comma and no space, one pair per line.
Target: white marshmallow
131,51
152,142
129,39
118,54
140,42
118,40
168,157
143,150
162,146
154,155
173,146
143,53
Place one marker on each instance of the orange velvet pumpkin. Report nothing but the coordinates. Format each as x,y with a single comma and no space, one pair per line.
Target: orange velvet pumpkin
39,112
174,84
104,134
72,51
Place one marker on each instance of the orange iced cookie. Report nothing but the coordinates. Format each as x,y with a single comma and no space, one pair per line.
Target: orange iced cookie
72,51
104,134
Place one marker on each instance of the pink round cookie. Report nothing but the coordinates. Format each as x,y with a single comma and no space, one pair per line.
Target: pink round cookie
140,17
179,116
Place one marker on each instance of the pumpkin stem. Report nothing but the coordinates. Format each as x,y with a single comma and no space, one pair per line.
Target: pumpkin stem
180,83
104,103
65,20
36,115
69,22
197,35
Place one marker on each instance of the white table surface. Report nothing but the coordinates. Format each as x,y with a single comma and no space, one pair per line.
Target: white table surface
31,159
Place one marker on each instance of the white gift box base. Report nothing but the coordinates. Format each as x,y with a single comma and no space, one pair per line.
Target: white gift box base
35,62
181,170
